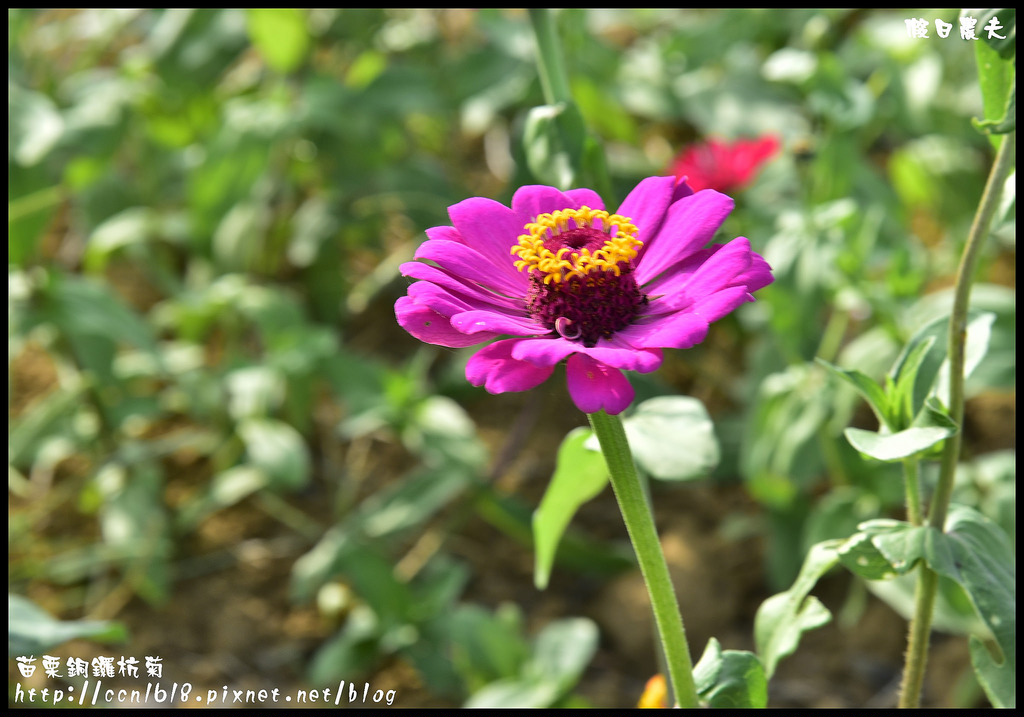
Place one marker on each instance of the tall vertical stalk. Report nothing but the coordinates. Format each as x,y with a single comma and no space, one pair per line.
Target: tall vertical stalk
640,525
912,488
927,584
550,64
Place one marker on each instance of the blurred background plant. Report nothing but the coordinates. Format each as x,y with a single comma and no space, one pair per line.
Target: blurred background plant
212,410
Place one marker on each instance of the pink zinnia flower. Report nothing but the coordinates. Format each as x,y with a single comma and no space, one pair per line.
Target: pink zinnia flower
724,166
566,280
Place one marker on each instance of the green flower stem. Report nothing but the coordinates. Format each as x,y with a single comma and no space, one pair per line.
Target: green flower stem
553,78
927,581
640,524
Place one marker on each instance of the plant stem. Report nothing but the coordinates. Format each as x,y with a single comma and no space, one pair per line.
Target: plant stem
912,487
958,324
553,78
927,581
917,640
640,524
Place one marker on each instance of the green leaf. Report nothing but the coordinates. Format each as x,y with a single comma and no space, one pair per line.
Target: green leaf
883,548
45,419
553,139
672,438
135,525
35,125
929,363
580,474
979,335
445,434
932,426
388,512
732,679
1002,37
562,650
902,400
278,449
31,630
973,552
280,35
560,653
896,446
86,308
351,652
410,502
783,618
867,387
998,89
134,225
861,557
953,610
225,489
977,554
487,646
515,694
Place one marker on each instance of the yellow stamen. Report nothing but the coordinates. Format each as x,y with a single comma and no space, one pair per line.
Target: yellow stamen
620,246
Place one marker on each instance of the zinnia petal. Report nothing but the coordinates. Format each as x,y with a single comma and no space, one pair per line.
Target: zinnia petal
475,322
470,264
682,330
490,228
691,223
468,291
494,368
431,327
533,200
595,387
646,205
714,306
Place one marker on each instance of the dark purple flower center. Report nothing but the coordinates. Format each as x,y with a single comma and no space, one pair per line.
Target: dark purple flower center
586,308
581,273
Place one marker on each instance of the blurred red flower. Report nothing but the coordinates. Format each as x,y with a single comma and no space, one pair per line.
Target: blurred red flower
723,166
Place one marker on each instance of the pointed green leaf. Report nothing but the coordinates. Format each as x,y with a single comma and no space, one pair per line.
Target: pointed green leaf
973,552
884,548
862,557
996,75
996,28
562,650
784,617
553,139
902,399
930,363
867,387
32,630
580,474
978,555
560,653
486,645
979,333
515,694
730,679
896,446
